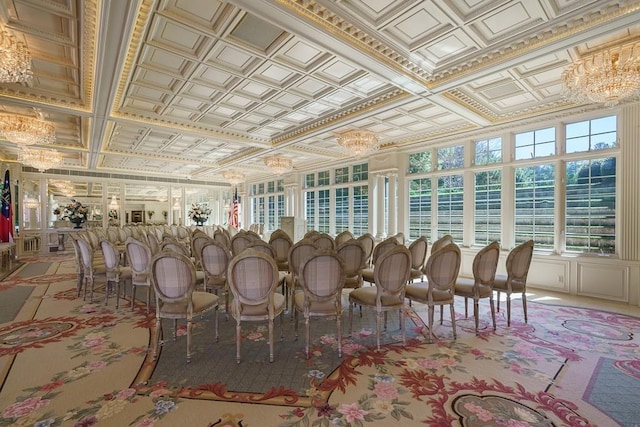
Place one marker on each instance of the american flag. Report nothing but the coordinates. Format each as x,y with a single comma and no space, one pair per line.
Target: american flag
233,213
6,217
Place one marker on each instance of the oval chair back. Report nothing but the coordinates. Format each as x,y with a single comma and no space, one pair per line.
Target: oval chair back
354,259
174,281
253,277
322,279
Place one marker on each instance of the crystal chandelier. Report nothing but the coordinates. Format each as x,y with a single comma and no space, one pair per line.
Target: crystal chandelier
359,143
15,60
279,165
64,187
26,130
607,77
40,159
233,177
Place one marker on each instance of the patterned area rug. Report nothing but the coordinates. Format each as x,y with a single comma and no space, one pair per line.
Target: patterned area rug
215,374
79,364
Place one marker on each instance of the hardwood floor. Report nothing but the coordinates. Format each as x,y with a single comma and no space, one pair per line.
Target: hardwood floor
549,297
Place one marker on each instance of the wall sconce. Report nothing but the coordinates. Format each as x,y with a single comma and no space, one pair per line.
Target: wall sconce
31,203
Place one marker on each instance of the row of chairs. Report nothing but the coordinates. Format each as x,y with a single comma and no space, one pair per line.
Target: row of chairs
253,270
443,282
208,253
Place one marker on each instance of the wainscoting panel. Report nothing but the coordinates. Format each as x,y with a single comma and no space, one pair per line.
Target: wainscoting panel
607,281
549,273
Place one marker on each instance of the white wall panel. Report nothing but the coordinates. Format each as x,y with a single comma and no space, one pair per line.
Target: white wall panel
549,273
608,281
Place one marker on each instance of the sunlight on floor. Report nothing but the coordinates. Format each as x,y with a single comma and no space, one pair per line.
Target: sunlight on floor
548,297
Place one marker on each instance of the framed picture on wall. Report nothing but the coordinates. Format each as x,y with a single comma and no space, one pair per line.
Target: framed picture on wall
137,216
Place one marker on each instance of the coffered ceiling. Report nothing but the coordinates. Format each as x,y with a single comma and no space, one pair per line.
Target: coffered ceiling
190,88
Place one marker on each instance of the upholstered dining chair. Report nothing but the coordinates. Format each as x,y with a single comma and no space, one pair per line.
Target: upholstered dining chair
399,237
354,258
139,256
113,271
309,234
253,277
267,248
418,249
174,281
442,270
378,250
240,241
198,240
480,286
222,237
321,279
518,263
112,235
264,247
153,242
441,243
73,237
174,246
179,247
298,253
282,244
343,236
368,242
324,241
92,238
215,259
122,235
90,270
391,274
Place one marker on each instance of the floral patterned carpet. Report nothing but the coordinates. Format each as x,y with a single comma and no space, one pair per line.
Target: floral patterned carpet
65,361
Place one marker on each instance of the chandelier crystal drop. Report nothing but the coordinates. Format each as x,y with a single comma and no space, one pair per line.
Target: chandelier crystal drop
359,143
26,130
606,77
279,165
233,177
15,60
39,158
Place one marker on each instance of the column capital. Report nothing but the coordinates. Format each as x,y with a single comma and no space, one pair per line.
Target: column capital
385,172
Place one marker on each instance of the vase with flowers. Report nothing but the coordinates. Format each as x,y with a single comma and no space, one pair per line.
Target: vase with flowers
76,213
199,213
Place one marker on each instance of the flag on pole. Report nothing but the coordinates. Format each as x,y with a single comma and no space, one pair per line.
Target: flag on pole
6,218
234,219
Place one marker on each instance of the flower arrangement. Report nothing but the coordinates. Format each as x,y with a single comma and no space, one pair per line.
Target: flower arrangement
57,211
76,212
199,213
113,214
